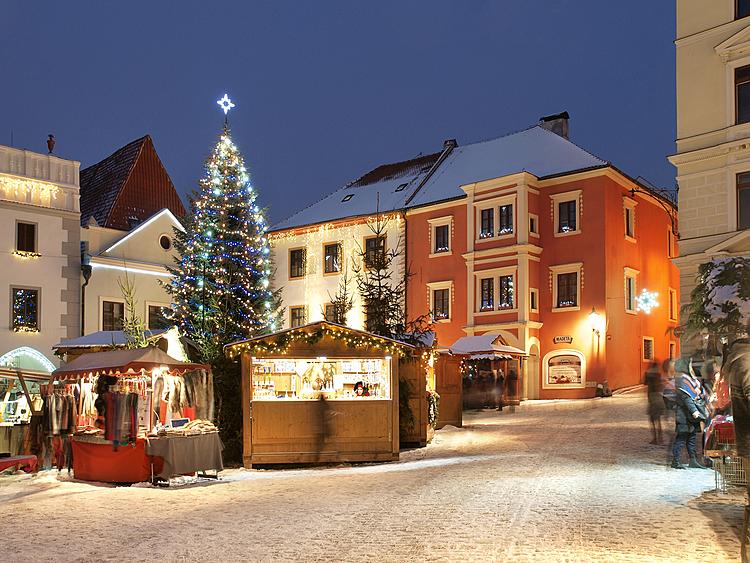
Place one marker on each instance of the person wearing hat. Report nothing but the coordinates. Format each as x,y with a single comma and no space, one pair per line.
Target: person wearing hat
691,411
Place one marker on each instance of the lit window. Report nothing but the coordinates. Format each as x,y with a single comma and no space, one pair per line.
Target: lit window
567,219
505,213
567,290
113,314
375,253
25,237
332,258
441,304
297,258
442,238
487,223
25,309
648,348
505,296
297,316
487,302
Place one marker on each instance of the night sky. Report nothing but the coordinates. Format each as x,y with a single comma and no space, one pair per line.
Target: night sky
327,90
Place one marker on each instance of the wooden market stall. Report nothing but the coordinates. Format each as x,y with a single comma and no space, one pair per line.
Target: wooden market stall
126,416
320,393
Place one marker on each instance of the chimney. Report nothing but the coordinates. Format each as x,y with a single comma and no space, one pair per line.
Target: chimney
450,144
557,123
50,143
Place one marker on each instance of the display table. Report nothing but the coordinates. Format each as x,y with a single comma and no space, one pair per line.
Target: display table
95,459
26,462
183,455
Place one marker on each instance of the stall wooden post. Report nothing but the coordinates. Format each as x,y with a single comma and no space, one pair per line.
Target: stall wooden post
246,363
395,401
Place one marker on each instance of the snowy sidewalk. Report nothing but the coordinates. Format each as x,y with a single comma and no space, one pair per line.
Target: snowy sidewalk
579,483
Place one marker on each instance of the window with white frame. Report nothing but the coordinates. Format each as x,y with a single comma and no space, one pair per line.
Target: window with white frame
534,300
630,290
566,208
113,314
495,218
440,300
533,224
672,304
496,289
629,212
297,259
566,286
440,235
648,348
297,316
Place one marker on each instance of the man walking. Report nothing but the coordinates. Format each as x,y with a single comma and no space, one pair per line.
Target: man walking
690,412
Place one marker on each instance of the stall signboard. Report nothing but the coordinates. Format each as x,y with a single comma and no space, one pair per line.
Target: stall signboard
564,369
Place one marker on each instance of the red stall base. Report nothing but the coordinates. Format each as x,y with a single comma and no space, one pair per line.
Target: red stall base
100,462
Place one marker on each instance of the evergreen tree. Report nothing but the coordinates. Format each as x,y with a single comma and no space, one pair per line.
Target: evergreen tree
343,300
221,280
719,307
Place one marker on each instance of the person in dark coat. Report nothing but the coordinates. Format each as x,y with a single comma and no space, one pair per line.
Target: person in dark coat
691,411
655,401
736,369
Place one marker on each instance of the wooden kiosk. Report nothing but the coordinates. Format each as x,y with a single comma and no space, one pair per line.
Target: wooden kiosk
319,393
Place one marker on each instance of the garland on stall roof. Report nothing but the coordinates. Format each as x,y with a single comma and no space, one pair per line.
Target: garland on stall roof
282,342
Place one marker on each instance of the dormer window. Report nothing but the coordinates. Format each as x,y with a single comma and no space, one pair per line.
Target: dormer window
347,198
401,188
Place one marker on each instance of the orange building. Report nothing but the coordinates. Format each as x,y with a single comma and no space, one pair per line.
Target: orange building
523,236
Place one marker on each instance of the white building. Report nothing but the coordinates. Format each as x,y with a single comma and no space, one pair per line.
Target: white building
713,133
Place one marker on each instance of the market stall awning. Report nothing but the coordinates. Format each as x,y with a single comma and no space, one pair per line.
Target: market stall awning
485,346
121,362
352,337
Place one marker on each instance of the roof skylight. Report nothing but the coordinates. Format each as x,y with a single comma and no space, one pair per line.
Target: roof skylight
347,198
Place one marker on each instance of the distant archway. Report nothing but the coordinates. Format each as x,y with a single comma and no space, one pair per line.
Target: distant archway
27,358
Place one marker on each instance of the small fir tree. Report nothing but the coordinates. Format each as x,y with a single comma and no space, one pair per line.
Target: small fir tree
221,280
342,301
132,325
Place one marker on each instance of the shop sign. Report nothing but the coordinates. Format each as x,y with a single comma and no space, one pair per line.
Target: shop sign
562,339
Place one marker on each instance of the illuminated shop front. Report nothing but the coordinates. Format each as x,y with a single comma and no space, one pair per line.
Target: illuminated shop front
322,393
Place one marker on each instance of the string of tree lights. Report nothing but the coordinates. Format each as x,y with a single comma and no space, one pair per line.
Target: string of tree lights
221,281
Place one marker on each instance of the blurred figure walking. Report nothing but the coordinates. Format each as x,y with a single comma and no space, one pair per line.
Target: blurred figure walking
691,411
655,385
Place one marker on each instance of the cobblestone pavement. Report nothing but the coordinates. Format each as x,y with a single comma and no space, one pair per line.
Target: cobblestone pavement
570,481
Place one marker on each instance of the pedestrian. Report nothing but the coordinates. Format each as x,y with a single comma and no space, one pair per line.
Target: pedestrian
690,412
324,430
500,389
655,386
736,368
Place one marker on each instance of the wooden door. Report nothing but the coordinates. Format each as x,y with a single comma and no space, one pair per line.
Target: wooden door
448,385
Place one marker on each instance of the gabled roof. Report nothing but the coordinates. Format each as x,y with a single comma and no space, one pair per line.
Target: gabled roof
131,182
535,150
386,188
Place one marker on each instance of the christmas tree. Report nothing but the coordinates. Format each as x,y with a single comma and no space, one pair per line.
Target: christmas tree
221,281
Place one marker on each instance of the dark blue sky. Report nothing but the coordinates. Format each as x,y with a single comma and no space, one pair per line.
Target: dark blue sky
327,90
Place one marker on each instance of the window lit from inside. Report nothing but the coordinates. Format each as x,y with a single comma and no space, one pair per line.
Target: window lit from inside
26,237
743,200
297,263
25,309
487,228
488,294
442,238
505,292
332,258
742,94
297,316
375,252
505,214
567,290
566,219
156,318
113,314
441,304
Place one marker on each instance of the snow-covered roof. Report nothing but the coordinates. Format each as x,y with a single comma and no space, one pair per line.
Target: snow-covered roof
534,150
103,338
484,346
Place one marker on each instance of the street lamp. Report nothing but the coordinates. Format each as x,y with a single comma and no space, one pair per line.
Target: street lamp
596,321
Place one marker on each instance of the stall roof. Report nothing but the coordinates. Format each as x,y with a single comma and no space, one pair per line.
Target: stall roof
332,328
104,338
121,361
485,346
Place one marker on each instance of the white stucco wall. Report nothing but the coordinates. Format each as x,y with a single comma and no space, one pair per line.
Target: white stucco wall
314,290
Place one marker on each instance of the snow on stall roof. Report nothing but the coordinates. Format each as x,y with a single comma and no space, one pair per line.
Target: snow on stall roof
372,191
484,346
535,150
103,338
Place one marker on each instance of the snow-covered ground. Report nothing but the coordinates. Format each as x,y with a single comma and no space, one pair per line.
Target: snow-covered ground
567,481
